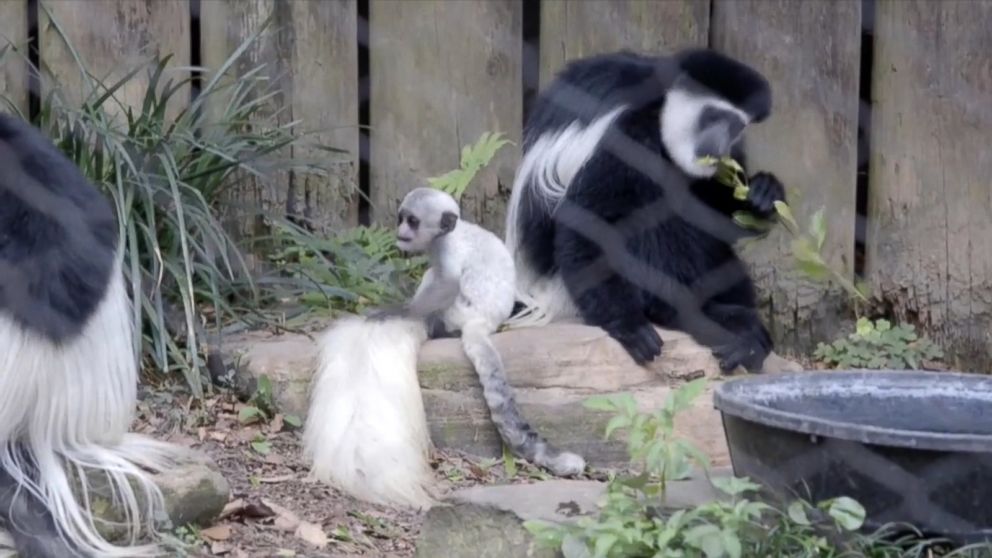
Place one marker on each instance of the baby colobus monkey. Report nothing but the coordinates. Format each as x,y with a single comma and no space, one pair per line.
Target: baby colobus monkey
468,290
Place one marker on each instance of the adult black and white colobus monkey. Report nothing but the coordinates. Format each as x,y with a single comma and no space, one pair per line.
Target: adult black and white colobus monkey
366,430
613,220
68,370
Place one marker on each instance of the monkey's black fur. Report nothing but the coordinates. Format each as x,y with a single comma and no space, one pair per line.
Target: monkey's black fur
684,273
58,236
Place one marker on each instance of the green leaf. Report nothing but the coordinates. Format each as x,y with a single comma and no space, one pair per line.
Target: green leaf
847,512
797,513
732,164
619,421
740,193
262,447
818,228
732,544
292,420
249,414
600,403
687,393
603,545
734,485
786,213
749,221
509,462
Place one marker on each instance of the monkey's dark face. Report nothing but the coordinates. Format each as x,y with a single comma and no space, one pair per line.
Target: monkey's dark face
411,237
695,125
414,235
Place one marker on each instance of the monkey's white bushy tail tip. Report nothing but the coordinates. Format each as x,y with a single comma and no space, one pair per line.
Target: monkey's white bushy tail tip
366,431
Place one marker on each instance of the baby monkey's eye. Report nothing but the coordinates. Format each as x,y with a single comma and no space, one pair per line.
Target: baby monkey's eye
413,221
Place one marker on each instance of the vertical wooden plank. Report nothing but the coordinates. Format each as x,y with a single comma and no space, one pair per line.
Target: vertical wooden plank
224,26
442,73
930,198
112,37
310,51
325,96
14,37
809,51
575,29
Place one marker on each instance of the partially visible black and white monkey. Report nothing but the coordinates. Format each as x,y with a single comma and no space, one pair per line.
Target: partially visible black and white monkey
613,219
68,368
467,291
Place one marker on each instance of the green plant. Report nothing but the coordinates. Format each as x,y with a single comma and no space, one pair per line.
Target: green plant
349,271
879,344
361,267
166,163
636,521
807,246
473,159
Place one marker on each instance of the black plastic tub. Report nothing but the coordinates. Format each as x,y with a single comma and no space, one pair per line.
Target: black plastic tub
911,447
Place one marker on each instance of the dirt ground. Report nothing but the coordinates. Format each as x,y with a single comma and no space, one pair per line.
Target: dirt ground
274,510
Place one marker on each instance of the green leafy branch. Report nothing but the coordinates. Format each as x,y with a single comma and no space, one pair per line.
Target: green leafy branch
807,246
473,159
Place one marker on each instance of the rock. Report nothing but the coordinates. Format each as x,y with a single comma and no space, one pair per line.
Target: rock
552,368
195,493
487,521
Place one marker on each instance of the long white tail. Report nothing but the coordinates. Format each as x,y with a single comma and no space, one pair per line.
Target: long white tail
65,411
366,432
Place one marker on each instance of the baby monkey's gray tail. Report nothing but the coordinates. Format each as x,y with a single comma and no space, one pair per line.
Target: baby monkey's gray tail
516,432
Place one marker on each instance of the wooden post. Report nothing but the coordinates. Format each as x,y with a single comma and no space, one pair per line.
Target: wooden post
310,51
112,37
575,29
14,38
810,52
442,74
930,192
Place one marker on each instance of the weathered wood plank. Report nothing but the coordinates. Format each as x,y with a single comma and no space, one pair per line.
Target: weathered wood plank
112,37
325,97
442,74
310,51
14,37
810,52
930,200
571,29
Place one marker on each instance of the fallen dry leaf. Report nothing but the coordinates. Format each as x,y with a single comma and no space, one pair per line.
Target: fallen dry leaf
285,519
274,480
276,424
219,548
233,507
312,533
217,533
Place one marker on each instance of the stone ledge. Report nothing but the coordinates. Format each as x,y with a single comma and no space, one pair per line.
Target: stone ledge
552,368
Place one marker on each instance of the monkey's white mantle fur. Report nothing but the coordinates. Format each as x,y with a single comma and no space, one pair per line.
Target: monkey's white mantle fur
366,431
74,403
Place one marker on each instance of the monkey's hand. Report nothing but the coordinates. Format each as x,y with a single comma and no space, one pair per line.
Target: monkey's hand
638,337
387,312
764,190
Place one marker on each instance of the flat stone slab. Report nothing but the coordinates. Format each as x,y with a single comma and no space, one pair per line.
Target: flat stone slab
487,521
553,370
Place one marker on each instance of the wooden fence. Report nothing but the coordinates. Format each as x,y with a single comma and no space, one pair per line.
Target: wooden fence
883,115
